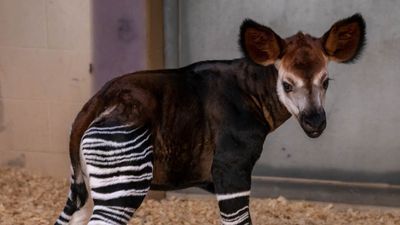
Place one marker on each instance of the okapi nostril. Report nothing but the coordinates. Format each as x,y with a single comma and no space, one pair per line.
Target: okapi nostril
322,125
308,123
316,121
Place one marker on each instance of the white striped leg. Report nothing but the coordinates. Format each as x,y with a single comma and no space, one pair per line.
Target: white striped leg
67,212
111,215
119,163
72,205
234,208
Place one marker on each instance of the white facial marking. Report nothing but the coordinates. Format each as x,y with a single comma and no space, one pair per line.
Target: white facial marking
320,77
299,102
319,93
277,64
290,106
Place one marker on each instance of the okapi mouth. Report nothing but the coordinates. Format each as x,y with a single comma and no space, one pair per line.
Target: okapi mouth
313,124
313,134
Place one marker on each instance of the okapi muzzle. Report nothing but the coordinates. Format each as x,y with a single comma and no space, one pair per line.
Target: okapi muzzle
301,61
313,122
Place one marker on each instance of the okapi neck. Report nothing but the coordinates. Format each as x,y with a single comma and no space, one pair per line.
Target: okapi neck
259,82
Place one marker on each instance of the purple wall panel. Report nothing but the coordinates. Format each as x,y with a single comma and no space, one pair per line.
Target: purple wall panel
119,38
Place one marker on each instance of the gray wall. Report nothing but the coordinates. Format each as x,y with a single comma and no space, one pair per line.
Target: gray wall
362,140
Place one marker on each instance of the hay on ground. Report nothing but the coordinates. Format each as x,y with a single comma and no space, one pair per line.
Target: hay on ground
30,199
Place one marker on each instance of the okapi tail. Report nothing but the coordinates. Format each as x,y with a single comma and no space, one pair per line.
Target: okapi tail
78,193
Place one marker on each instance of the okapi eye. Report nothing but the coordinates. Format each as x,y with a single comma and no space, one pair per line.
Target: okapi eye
287,87
325,85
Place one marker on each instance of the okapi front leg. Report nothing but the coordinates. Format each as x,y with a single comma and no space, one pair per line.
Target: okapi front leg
119,164
234,159
234,208
232,188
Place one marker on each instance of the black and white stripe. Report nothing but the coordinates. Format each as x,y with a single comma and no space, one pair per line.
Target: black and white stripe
234,208
67,212
119,165
77,196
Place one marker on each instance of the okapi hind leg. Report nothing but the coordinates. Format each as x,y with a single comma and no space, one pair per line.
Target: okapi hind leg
119,165
77,203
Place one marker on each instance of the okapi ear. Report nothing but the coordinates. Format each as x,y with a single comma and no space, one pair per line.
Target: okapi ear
259,43
345,40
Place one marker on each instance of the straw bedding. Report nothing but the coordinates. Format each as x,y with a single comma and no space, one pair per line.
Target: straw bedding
31,199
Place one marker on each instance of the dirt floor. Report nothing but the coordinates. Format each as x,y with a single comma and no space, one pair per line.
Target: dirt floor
27,198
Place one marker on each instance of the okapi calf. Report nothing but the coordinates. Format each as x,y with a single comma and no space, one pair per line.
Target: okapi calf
201,125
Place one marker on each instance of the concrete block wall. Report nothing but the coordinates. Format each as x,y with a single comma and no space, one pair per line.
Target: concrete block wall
46,48
45,52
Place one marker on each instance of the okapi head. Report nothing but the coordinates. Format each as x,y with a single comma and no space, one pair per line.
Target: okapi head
301,61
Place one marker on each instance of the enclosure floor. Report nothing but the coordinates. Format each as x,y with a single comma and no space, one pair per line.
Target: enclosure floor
27,198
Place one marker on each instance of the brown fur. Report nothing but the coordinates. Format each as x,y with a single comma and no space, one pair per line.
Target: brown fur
261,43
303,56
